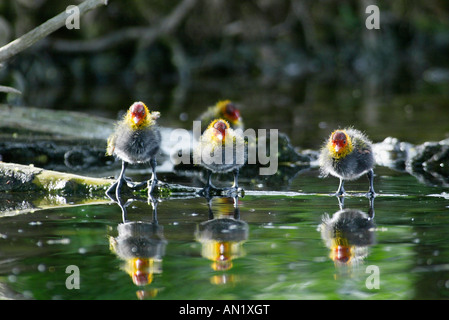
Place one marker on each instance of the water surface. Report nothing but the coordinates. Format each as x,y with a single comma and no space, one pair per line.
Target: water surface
270,247
278,251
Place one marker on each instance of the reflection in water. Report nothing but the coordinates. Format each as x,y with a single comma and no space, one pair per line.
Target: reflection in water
222,237
141,245
348,234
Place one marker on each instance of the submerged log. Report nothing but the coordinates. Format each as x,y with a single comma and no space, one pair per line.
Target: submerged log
427,162
21,178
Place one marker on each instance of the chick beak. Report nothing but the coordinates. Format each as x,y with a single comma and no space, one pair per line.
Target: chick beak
342,254
337,148
137,118
141,275
140,278
219,135
220,130
237,116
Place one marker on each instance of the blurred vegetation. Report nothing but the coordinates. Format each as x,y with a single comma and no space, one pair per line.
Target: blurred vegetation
301,66
263,39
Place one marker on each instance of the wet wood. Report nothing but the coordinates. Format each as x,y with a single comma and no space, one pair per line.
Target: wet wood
22,178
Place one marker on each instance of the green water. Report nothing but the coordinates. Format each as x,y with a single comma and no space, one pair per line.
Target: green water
280,253
272,244
281,256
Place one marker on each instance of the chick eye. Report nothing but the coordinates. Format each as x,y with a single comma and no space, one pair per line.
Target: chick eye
230,108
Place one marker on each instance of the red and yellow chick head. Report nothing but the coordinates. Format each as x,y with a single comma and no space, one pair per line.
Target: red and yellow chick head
138,112
139,116
342,254
219,127
222,258
339,141
140,271
229,111
339,144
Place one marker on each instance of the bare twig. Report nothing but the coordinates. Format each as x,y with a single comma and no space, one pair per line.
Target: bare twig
9,90
145,34
40,32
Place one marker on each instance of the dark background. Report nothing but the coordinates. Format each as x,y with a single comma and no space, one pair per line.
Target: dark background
304,67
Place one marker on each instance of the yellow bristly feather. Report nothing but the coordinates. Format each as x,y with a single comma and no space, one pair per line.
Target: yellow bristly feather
110,146
222,104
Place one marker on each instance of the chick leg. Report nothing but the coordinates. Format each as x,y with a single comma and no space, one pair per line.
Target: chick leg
341,188
370,175
235,187
341,202
207,188
371,208
116,186
111,189
153,181
236,179
120,180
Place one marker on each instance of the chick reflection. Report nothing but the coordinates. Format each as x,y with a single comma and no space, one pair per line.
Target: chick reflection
222,237
348,234
141,245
